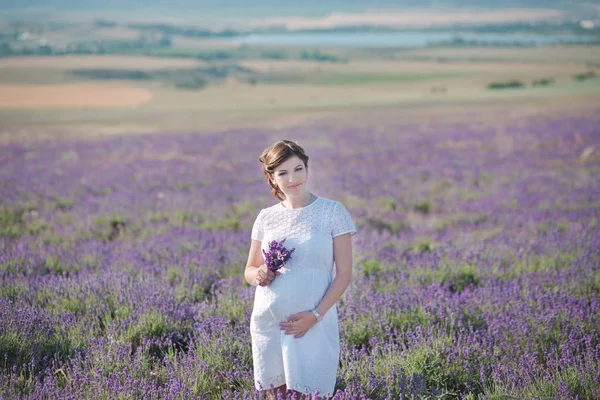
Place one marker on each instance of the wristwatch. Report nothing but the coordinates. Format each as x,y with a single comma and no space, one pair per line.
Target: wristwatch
318,316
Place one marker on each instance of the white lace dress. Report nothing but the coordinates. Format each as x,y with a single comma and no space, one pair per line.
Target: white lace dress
309,363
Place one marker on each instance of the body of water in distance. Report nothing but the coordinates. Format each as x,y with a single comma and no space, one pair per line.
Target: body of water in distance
410,39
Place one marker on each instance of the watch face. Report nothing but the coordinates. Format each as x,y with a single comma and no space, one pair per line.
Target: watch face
317,315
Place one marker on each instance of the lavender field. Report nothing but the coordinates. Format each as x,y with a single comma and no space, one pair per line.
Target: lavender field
477,261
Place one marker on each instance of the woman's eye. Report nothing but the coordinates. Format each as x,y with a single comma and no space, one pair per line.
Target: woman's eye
282,173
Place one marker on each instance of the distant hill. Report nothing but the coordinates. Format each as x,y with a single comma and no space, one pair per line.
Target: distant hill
280,7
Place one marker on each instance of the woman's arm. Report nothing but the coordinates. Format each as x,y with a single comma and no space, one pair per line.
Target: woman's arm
256,272
342,254
300,323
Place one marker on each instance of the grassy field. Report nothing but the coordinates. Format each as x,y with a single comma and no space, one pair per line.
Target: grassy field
65,63
42,94
574,55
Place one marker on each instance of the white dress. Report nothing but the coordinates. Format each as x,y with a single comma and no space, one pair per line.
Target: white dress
309,363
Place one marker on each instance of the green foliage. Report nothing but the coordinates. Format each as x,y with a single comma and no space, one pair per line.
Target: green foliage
542,82
424,207
230,306
236,217
107,310
590,288
563,228
372,268
108,74
512,267
154,325
428,362
460,218
186,78
62,204
274,54
108,228
358,333
230,222
369,78
31,352
584,76
424,369
422,245
409,319
13,290
190,83
201,293
513,84
386,203
54,265
317,55
440,188
19,219
381,225
473,318
579,384
11,221
457,279
220,353
150,325
174,275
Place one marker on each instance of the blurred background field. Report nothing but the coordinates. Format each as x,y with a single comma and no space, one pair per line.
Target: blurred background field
463,137
91,69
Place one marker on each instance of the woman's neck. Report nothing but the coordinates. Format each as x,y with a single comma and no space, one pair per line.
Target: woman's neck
298,201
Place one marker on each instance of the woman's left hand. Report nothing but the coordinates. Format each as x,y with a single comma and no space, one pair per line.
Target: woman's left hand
298,324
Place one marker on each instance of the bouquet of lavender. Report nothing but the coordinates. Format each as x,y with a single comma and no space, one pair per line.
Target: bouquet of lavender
277,256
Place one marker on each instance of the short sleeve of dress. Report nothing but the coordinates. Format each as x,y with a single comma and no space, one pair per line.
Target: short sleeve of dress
341,221
257,228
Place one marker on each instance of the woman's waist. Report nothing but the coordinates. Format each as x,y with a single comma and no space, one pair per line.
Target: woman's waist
297,282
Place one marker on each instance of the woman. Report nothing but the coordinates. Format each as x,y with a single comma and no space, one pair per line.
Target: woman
294,323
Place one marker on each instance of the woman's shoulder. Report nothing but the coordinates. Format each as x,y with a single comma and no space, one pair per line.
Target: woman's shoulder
269,210
330,203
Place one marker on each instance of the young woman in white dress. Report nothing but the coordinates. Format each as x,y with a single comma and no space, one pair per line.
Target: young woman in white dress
294,322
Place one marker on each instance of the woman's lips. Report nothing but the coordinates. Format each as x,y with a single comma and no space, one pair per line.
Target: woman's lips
294,187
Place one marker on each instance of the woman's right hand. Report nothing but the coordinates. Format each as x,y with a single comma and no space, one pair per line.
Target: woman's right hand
264,276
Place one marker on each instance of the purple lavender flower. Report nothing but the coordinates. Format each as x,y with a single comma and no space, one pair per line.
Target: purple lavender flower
277,256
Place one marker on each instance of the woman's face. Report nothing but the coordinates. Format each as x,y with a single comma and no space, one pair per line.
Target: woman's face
291,177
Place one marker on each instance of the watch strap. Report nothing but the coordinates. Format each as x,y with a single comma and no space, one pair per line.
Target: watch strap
318,316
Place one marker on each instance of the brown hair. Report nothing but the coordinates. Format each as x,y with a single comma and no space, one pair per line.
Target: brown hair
275,155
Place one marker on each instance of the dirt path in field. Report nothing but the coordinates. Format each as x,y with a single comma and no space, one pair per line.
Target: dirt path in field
69,96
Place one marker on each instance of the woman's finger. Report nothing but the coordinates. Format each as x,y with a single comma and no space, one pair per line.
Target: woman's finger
289,328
